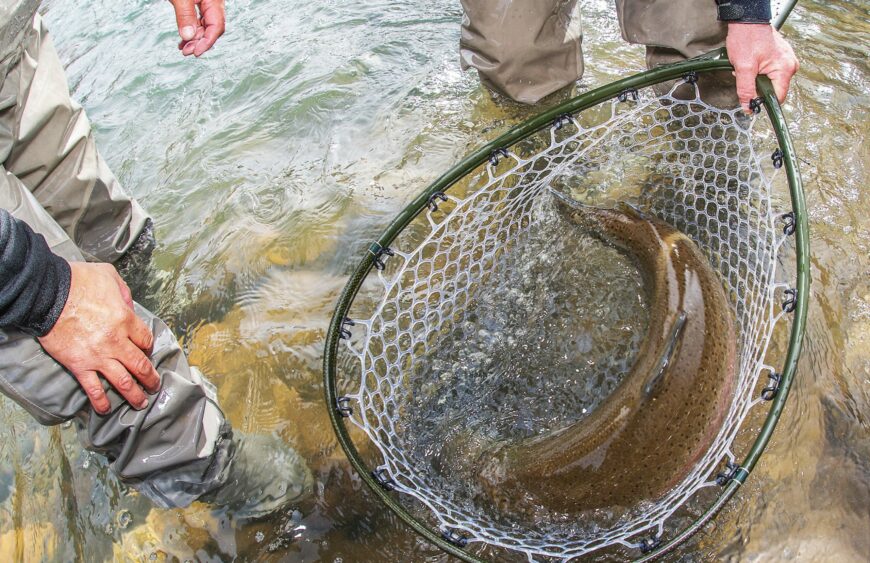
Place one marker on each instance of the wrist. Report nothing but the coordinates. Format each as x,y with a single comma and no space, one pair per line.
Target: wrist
60,276
748,27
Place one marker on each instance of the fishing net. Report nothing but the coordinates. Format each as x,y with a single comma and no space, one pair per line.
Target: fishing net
421,346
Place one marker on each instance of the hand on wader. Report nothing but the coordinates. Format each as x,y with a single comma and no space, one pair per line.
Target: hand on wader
98,335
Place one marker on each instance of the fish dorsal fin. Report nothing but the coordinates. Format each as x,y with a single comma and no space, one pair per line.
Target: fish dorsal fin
652,383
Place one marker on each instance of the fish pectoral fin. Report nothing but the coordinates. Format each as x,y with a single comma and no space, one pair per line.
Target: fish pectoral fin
667,356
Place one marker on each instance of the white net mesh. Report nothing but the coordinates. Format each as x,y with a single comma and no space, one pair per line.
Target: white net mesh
706,171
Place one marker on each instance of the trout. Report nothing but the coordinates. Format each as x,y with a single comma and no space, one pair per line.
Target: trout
649,433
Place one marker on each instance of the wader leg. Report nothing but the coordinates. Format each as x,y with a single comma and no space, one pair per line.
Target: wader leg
675,30
47,143
177,448
523,49
174,450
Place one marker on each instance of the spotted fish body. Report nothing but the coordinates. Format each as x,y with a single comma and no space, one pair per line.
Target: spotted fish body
649,433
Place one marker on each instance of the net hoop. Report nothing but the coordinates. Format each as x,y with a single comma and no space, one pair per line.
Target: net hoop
713,61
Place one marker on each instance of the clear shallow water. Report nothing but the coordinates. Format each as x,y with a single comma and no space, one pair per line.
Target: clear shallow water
270,162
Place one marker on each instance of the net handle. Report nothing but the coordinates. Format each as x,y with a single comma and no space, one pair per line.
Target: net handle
783,14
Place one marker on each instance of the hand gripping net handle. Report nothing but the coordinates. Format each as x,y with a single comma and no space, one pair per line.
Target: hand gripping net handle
737,474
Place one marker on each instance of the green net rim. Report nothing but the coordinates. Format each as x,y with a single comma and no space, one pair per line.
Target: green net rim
716,60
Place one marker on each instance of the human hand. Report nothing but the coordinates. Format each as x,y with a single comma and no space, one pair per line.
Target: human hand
98,333
755,49
200,23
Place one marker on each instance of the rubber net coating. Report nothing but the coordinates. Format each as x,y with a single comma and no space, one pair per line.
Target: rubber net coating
708,172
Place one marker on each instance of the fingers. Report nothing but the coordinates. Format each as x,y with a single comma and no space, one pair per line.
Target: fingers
187,47
214,21
746,86
186,18
140,367
199,33
200,24
130,365
212,33
139,333
94,390
123,382
132,357
135,357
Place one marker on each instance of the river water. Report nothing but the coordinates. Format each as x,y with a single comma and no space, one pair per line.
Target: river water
269,163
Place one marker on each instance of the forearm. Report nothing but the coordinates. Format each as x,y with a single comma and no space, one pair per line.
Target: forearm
34,282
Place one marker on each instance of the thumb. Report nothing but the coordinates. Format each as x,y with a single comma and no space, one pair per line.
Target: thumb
186,18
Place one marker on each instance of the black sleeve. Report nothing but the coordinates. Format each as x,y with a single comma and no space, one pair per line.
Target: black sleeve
744,11
34,282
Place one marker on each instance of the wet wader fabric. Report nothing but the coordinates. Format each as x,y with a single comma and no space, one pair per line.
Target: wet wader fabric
523,49
527,50
46,142
53,178
15,21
